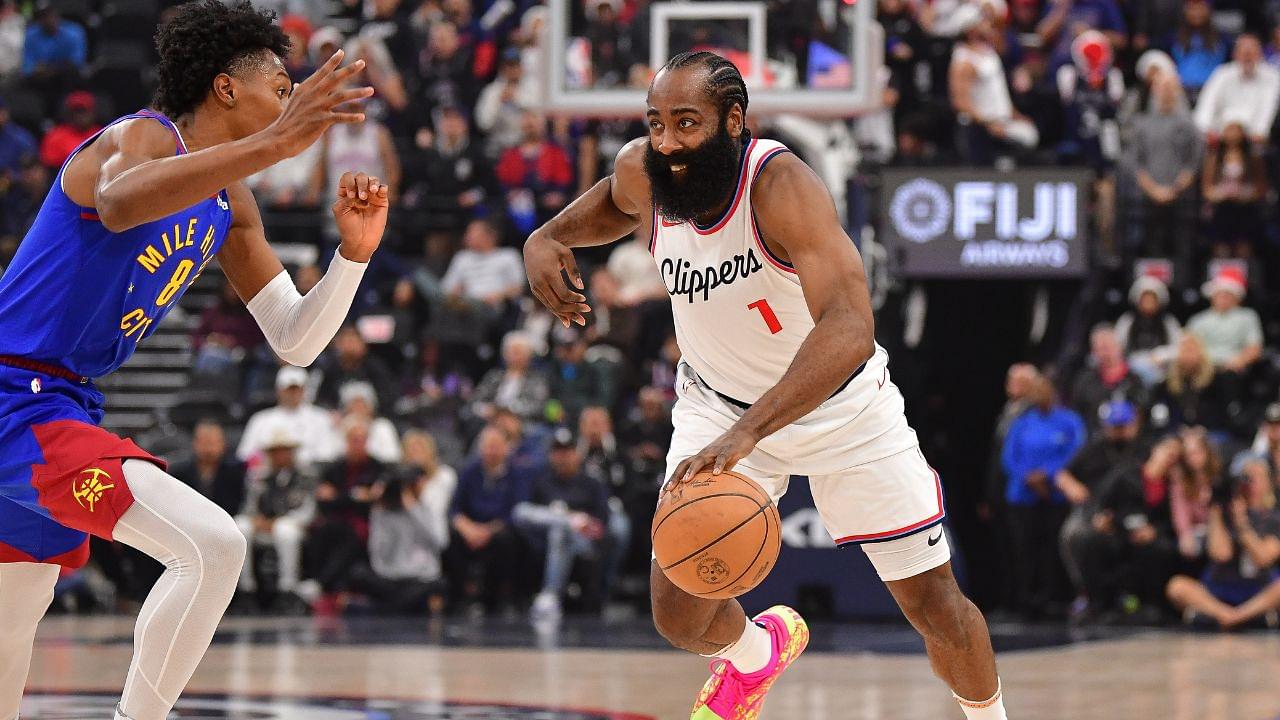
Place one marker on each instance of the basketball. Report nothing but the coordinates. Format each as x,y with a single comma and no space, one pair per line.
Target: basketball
717,536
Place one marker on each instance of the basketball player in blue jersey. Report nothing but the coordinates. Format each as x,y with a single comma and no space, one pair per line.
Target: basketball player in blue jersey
133,217
780,375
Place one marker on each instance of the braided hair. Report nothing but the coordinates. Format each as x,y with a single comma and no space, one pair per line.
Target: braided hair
724,84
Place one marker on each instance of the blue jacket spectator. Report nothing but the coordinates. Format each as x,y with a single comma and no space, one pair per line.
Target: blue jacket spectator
53,42
1197,47
1039,444
490,487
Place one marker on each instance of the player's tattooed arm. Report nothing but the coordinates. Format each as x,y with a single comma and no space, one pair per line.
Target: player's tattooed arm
612,209
798,218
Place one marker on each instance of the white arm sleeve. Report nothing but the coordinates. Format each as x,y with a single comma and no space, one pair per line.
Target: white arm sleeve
298,327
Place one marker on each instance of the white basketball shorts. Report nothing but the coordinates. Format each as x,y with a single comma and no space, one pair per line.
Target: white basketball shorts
869,479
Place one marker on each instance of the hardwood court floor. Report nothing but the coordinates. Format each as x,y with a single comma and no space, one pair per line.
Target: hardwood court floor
486,670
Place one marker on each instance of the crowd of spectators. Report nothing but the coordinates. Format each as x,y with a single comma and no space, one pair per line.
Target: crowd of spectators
1140,487
457,448
1149,487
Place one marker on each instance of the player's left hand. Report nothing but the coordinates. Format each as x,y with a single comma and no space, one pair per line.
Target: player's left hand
361,213
720,455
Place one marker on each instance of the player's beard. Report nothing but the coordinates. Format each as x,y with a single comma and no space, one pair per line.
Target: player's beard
706,184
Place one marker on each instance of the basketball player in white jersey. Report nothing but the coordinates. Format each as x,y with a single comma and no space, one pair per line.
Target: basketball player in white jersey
780,375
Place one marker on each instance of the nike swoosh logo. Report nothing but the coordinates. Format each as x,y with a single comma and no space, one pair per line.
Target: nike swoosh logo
669,224
883,379
934,540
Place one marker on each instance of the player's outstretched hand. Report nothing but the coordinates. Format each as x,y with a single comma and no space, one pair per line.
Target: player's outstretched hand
722,454
361,213
544,259
312,107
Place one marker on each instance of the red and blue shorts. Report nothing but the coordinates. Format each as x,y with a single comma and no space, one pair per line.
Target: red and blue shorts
60,474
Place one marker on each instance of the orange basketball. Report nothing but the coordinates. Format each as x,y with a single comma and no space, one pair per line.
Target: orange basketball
717,536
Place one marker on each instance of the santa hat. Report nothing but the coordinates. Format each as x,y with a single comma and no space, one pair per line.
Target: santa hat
1149,284
1152,59
1229,279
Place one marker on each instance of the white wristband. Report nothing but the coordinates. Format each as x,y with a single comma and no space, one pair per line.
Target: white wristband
299,328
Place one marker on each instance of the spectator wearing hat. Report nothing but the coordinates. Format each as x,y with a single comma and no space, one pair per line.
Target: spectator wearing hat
501,103
1090,88
1148,333
1039,444
1164,154
313,425
1195,392
1118,446
1244,550
279,508
54,52
1151,66
565,517
1196,46
1107,376
77,126
980,94
1234,185
1246,90
359,403
1231,333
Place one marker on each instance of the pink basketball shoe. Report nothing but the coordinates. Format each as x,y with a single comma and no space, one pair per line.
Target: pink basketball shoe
731,695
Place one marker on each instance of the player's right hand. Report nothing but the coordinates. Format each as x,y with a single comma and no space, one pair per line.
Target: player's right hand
544,259
312,107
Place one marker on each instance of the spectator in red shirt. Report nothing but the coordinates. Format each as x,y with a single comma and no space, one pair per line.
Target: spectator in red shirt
535,175
66,136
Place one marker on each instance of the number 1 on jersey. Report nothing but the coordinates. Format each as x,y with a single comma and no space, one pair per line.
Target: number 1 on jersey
766,312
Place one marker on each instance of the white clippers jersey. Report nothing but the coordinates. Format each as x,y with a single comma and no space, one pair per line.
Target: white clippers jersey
740,314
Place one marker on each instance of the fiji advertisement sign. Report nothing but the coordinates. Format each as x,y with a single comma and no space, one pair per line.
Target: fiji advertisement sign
980,223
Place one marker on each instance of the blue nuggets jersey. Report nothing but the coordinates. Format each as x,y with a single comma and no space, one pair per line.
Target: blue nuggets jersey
82,297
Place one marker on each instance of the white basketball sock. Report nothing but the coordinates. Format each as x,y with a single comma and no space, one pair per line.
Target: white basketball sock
752,652
989,709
